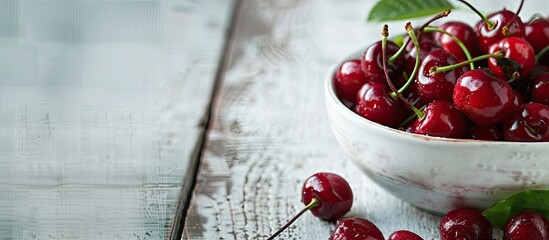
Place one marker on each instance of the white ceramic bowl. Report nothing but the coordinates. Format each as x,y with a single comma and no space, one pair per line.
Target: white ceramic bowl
432,173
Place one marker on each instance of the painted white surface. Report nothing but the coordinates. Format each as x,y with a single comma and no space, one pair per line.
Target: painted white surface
101,106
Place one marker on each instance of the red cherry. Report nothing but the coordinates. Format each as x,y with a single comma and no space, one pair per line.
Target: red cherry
516,49
333,193
375,104
464,223
349,79
540,89
441,119
537,33
437,86
464,33
528,123
488,36
372,63
404,235
527,226
327,195
356,228
484,98
487,133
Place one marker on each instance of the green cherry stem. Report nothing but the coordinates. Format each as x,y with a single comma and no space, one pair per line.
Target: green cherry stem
459,42
514,76
411,117
314,202
484,19
397,54
412,35
385,34
436,17
437,70
541,53
535,16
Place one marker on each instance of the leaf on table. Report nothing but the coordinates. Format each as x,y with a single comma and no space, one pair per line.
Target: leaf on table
533,200
388,10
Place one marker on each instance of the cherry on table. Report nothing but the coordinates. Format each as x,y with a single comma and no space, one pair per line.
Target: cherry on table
515,49
349,79
465,223
463,32
356,228
374,103
528,123
438,86
371,63
327,195
404,235
527,226
484,98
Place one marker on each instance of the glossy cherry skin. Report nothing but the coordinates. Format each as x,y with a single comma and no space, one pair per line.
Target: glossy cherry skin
528,123
488,36
440,86
404,235
441,119
349,79
464,33
372,64
516,49
333,192
527,226
537,33
540,89
464,223
375,104
356,228
486,133
482,97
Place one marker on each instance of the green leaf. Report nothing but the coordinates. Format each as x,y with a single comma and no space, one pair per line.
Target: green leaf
388,10
534,200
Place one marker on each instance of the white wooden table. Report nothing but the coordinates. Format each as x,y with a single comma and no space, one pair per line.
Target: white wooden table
178,119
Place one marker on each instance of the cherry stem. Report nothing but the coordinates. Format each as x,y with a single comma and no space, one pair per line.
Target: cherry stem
436,17
314,202
397,54
541,53
505,29
410,78
385,34
484,19
514,76
411,117
535,16
459,42
437,70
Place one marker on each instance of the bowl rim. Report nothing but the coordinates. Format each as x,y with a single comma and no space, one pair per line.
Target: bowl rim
348,113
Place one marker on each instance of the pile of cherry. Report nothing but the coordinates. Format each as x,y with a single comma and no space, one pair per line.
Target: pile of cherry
329,197
457,81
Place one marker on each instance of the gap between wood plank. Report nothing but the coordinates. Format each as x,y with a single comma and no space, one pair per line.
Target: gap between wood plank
189,181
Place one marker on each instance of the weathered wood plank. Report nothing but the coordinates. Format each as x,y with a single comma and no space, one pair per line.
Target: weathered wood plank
270,131
102,105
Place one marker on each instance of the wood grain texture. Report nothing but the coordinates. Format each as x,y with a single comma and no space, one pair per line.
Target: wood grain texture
270,131
102,104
